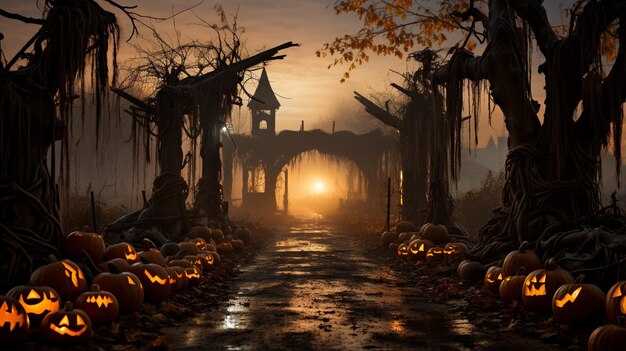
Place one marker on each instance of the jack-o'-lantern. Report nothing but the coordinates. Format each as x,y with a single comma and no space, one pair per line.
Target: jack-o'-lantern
178,278
493,279
101,306
200,243
170,249
209,260
64,276
578,303
418,249
125,286
436,233
454,249
403,250
608,337
155,281
511,288
67,326
541,284
37,301
238,245
616,302
470,271
243,234
180,263
194,276
519,258
434,254
150,253
122,250
76,242
388,237
195,260
13,320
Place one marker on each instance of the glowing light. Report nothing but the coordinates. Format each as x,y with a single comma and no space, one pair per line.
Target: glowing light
319,187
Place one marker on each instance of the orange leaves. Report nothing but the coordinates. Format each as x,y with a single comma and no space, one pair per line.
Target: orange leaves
391,28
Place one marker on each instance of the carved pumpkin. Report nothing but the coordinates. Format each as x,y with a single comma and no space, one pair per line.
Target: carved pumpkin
189,247
388,237
608,337
194,276
403,250
64,276
453,250
195,260
154,279
200,243
418,249
200,231
436,233
224,249
520,258
120,263
126,287
541,284
170,249
511,288
92,243
243,234
405,226
217,235
66,326
493,279
470,271
150,253
122,250
37,301
101,306
178,278
238,245
13,320
578,303
434,254
209,259
616,302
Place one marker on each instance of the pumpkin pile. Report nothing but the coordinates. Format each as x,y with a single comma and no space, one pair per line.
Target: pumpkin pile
522,279
64,302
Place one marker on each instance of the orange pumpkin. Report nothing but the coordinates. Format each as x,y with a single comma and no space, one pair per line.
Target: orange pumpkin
520,258
154,279
418,249
541,284
101,306
151,253
76,242
37,301
13,320
122,250
578,303
67,326
493,279
126,287
64,276
615,304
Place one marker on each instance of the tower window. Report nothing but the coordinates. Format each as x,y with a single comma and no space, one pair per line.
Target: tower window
263,124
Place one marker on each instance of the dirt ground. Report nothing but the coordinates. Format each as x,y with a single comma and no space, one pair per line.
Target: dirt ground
317,286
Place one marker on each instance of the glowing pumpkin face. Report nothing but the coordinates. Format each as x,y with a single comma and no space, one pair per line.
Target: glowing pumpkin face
155,281
434,254
122,250
193,276
418,249
64,276
13,320
403,250
540,286
36,300
67,326
101,306
578,303
615,304
455,250
493,279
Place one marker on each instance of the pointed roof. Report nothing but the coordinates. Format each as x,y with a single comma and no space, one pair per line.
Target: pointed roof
264,97
491,144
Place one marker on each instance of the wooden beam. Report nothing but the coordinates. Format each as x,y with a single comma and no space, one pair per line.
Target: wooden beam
378,112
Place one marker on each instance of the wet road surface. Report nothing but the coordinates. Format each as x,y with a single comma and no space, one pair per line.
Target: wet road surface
317,288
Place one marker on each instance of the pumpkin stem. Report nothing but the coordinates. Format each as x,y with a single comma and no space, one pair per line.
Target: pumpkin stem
523,246
580,279
148,244
69,306
52,258
95,288
113,268
551,264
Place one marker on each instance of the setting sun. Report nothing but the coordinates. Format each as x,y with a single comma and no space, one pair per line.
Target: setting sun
319,187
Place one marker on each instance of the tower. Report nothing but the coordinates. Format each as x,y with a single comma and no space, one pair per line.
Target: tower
263,106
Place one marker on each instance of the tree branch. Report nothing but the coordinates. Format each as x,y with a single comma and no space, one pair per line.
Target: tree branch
380,113
21,18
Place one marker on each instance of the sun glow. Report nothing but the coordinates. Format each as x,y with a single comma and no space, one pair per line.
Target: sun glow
319,187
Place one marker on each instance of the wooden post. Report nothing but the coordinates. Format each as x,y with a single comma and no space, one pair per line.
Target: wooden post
302,126
286,195
93,214
388,203
333,127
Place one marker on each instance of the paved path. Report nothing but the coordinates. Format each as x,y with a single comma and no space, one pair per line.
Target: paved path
316,288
